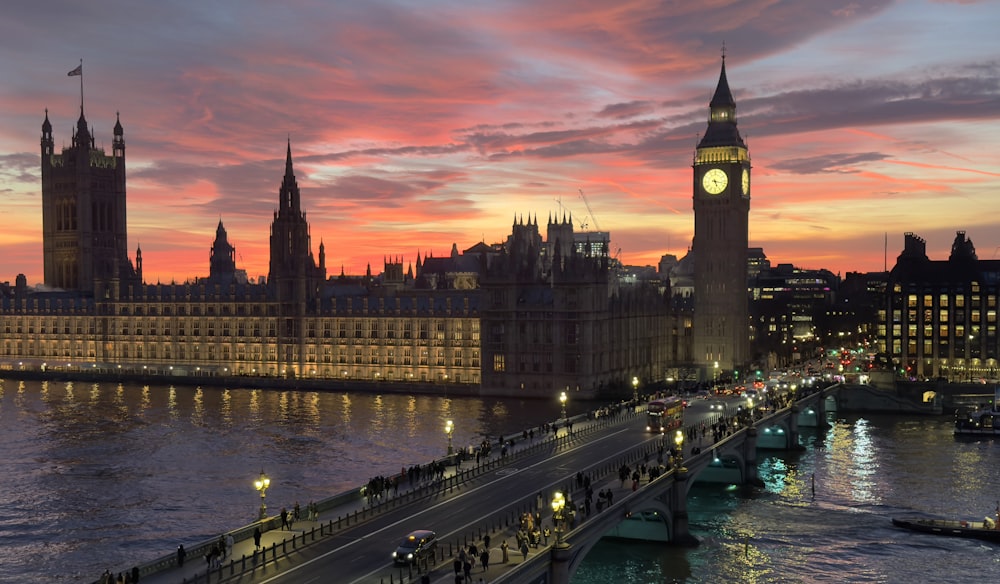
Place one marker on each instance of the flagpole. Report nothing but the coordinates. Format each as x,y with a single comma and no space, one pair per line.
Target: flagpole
81,86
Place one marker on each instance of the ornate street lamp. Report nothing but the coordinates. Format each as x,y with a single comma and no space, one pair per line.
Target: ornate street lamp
679,441
449,427
261,484
562,402
558,503
635,390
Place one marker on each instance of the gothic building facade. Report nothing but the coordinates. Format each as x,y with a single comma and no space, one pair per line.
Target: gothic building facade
570,324
84,221
555,318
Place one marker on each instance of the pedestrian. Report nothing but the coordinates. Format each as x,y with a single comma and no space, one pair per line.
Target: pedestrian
222,546
486,541
503,550
524,550
484,559
230,542
467,568
135,574
181,554
458,566
256,538
284,518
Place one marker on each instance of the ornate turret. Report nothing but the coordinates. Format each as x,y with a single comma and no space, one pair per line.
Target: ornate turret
722,116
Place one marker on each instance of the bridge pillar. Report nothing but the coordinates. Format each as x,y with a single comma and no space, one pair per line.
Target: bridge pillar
679,534
821,411
793,426
750,458
559,560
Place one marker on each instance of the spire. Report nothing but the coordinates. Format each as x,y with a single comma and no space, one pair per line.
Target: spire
723,96
721,129
289,198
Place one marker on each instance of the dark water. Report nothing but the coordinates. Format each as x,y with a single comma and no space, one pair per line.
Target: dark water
106,476
867,469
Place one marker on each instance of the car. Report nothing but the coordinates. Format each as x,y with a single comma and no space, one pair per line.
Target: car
418,546
717,406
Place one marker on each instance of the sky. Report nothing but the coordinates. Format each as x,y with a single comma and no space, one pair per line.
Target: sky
416,125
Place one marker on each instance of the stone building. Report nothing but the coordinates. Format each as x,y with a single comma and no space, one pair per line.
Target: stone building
940,316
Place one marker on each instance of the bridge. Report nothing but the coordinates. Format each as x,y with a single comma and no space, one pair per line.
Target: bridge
491,500
662,501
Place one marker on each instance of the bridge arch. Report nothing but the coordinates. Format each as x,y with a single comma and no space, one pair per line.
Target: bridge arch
719,465
648,516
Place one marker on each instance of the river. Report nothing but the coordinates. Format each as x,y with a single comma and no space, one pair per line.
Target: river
866,469
103,476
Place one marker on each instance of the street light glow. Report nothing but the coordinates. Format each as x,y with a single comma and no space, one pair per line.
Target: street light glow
261,484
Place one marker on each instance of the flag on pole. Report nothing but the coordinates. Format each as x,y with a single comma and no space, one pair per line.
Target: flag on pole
77,71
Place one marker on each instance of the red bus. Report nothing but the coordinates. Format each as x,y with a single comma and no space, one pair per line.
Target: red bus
664,414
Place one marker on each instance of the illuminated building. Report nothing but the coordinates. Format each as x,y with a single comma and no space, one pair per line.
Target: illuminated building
940,317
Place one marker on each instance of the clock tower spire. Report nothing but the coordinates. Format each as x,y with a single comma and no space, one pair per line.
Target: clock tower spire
721,199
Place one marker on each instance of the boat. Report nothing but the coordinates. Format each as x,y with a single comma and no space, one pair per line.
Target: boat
985,529
984,421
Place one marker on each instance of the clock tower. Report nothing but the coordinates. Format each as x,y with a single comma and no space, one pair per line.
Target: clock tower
721,213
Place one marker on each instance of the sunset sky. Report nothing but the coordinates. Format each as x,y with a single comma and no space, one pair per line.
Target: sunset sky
416,124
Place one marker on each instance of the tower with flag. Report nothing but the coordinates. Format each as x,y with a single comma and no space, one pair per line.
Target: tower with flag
84,222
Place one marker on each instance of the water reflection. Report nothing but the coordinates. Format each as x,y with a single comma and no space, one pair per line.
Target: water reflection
109,474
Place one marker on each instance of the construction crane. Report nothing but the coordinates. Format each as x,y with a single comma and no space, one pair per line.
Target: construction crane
589,210
564,209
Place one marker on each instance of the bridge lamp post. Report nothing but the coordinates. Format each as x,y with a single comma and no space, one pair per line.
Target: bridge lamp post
635,389
562,402
261,484
679,441
449,427
558,503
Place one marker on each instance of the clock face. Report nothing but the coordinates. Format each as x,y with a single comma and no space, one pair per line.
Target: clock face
714,181
746,182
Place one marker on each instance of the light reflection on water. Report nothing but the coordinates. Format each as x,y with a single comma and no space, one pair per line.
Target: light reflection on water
867,469
104,476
